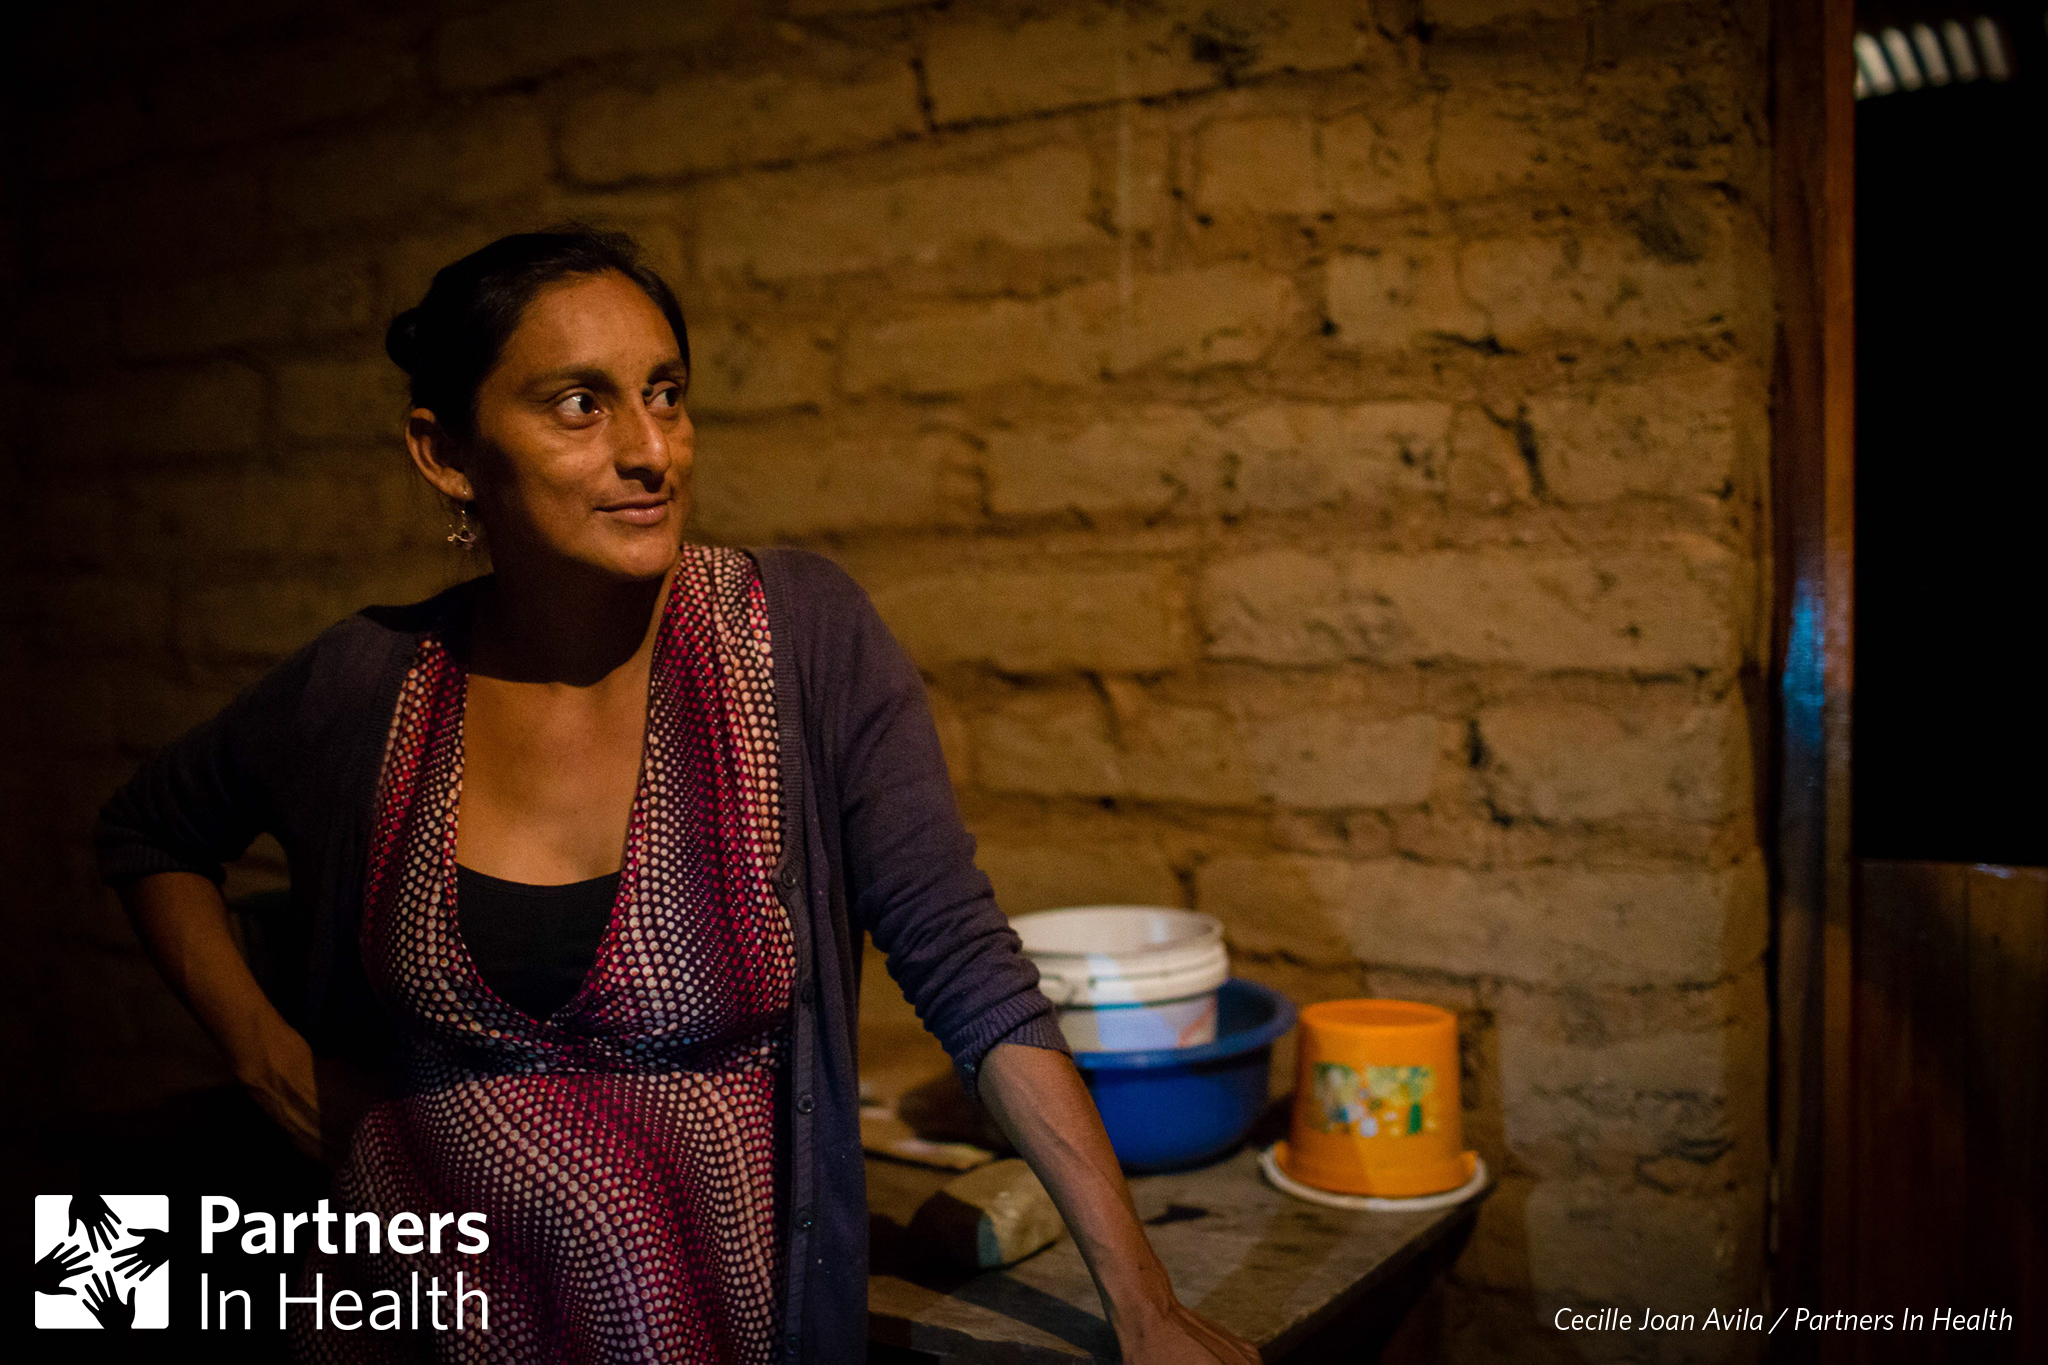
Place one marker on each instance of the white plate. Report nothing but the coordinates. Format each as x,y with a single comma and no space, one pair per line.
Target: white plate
1421,1203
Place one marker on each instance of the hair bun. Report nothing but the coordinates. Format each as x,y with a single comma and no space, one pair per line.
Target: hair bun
402,341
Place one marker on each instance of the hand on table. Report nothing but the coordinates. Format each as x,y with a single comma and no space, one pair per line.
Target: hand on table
59,1264
1040,1102
103,1298
1178,1335
101,1222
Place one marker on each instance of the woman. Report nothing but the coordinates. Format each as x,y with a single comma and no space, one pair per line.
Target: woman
586,846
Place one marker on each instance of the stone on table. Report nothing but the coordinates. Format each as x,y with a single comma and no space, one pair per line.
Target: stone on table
991,1217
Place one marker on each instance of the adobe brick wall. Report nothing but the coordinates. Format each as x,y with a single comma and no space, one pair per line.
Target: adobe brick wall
1315,449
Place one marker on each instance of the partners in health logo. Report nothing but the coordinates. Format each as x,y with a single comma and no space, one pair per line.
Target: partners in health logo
101,1260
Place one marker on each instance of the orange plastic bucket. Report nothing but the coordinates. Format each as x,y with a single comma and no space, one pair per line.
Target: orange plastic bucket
1376,1101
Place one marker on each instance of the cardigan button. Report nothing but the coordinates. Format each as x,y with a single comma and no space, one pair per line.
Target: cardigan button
806,993
786,878
805,1104
803,1220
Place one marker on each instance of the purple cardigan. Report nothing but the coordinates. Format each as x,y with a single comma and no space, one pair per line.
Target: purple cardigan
872,843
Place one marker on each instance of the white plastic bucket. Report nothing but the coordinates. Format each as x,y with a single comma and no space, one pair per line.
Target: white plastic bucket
1128,977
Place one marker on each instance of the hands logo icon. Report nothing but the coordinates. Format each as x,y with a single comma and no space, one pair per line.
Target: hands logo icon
100,1261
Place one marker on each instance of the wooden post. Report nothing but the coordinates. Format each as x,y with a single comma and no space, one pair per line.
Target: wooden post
1813,466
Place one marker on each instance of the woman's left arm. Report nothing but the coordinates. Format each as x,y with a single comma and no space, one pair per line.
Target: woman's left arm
911,882
1042,1106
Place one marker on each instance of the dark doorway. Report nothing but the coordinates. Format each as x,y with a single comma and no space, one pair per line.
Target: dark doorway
1948,1056
1951,718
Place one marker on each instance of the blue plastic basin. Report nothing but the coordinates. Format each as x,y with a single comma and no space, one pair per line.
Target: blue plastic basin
1171,1107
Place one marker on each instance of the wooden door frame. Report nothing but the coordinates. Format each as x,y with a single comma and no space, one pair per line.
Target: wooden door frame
1813,537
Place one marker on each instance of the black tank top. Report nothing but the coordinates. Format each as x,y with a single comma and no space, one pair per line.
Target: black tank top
533,945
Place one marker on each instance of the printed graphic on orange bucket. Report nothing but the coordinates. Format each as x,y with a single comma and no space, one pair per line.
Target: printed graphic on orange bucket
1386,1101
1376,1101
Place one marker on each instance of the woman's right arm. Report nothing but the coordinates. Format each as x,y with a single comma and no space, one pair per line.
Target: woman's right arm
162,841
183,924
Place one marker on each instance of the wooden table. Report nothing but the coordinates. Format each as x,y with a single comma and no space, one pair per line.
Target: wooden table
1302,1282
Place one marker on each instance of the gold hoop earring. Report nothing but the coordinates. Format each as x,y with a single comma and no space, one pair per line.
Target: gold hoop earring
464,534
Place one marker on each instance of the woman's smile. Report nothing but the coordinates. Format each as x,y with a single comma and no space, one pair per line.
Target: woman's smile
639,511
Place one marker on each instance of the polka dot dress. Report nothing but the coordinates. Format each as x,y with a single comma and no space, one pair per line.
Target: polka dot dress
624,1148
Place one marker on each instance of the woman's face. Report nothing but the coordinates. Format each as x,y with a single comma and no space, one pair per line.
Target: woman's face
582,449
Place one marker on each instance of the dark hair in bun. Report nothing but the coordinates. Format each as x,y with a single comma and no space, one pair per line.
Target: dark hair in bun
456,334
